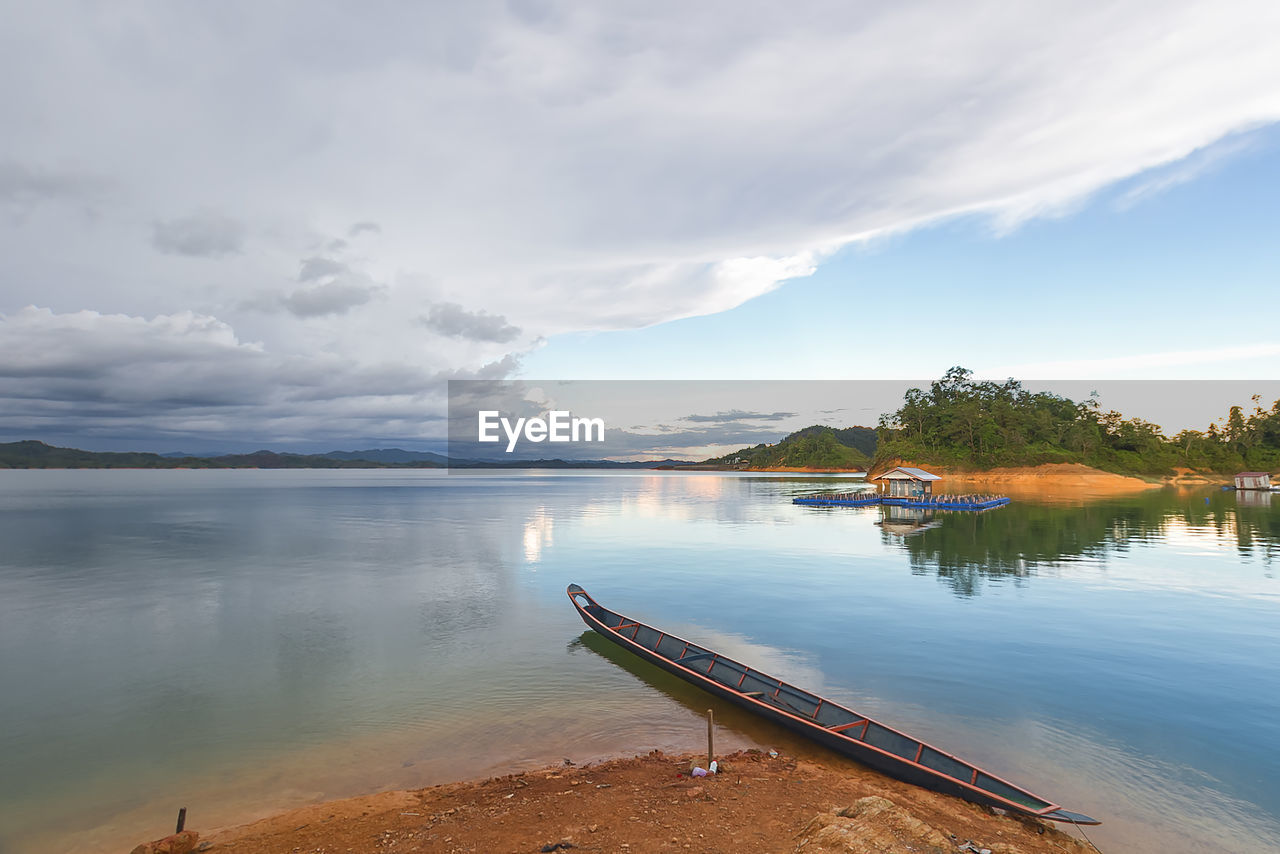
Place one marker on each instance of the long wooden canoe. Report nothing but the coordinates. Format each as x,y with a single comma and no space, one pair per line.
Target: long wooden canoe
843,730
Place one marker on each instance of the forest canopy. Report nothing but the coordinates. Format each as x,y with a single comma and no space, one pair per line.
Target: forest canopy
961,422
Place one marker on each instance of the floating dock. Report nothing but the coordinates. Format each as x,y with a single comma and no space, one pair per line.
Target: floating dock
936,502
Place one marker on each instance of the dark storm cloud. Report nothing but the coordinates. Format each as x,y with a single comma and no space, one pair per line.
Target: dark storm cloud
453,320
201,235
188,375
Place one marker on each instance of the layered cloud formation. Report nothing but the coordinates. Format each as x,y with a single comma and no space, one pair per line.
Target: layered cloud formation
379,197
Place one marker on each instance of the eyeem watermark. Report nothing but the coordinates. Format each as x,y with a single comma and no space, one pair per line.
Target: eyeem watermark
559,426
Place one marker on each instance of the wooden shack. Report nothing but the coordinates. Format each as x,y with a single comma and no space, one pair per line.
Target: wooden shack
907,482
1253,480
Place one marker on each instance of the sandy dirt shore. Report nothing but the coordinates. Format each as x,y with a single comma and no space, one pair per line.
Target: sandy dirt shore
798,469
1060,480
809,470
758,803
1058,477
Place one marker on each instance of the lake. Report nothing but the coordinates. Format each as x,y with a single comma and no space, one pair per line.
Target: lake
240,642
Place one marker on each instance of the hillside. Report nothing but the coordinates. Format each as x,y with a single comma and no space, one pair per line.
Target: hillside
861,439
815,447
391,456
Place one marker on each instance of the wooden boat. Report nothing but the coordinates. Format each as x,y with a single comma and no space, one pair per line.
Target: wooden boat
843,730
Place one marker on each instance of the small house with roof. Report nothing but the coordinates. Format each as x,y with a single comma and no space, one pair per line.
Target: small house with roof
907,482
1253,480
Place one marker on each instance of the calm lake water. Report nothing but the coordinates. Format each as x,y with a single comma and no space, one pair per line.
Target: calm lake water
238,642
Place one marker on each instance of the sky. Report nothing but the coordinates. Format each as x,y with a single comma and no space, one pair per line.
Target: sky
240,225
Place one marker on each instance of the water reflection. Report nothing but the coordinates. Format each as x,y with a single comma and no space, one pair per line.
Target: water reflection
154,627
1018,540
1089,767
538,534
1253,498
906,521
294,634
751,730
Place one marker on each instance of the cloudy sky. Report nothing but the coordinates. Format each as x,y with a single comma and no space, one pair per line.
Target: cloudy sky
285,224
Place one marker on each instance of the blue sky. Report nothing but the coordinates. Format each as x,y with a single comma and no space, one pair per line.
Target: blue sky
239,225
1189,272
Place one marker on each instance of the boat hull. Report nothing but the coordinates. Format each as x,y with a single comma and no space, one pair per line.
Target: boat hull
845,747
892,764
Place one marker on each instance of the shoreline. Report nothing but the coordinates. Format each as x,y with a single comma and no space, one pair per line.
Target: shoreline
649,803
1054,476
1063,474
1060,476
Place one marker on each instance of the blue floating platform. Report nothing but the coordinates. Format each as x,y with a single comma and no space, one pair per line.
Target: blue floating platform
937,503
818,501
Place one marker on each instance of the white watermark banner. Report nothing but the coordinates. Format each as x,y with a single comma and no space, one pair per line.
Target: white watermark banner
655,423
560,425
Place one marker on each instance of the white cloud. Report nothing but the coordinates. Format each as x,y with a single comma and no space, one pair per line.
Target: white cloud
1184,171
564,166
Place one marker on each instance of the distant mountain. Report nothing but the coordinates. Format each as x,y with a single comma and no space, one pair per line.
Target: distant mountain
272,460
37,455
388,455
31,454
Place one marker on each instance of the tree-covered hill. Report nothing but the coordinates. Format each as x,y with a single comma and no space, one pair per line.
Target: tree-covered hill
862,439
962,423
813,447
